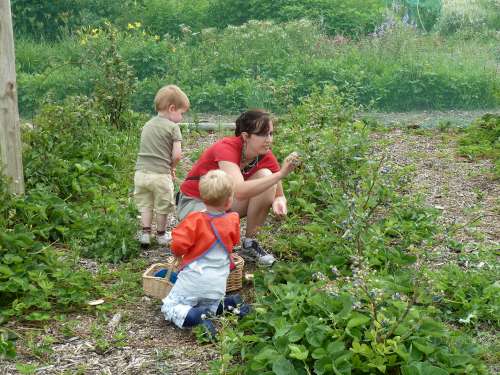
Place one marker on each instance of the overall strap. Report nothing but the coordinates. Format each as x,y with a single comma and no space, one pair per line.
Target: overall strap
219,239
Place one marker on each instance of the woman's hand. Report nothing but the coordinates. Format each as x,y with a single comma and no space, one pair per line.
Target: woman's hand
290,163
279,206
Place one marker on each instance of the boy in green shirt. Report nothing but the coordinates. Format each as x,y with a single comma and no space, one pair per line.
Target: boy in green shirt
159,152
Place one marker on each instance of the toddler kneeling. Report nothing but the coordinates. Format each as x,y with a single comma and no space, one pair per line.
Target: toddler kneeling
204,241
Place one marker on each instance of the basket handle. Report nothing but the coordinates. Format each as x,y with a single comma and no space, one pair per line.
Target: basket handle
175,263
169,273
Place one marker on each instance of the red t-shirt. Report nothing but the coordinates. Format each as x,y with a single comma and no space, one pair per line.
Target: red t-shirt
227,149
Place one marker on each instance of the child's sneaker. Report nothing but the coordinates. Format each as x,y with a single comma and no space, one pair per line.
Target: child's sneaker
164,239
144,238
251,250
234,304
230,302
210,328
243,310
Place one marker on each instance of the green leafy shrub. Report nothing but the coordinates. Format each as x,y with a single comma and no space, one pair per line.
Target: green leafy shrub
52,85
337,17
469,296
170,17
48,19
36,279
116,83
52,19
299,329
67,153
264,62
107,231
73,153
482,139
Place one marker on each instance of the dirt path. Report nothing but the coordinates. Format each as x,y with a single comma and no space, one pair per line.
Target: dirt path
463,189
141,342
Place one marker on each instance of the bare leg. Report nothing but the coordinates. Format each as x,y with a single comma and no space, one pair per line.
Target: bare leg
256,208
146,218
161,222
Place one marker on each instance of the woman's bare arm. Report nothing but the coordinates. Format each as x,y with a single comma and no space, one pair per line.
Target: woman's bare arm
279,190
248,189
251,188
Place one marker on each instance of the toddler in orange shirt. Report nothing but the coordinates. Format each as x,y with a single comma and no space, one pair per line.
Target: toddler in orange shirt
204,241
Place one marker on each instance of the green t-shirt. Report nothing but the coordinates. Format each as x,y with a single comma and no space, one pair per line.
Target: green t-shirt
155,150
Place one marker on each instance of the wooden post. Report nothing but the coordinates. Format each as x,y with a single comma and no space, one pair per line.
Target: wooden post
10,135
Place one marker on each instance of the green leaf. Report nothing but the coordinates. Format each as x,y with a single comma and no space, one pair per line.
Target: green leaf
432,328
45,284
422,368
423,347
319,353
362,349
297,332
323,366
315,337
281,326
267,353
346,306
357,320
6,270
298,351
11,258
335,347
80,168
283,367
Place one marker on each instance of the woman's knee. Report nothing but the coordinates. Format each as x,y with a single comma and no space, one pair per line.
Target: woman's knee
261,173
269,193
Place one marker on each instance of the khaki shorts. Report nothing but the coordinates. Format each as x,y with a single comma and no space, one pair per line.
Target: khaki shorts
187,205
154,191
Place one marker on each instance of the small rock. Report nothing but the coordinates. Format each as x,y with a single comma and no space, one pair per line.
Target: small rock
113,323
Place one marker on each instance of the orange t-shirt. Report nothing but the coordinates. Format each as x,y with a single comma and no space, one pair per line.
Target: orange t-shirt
195,234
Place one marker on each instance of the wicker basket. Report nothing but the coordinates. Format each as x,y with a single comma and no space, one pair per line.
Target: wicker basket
159,287
235,279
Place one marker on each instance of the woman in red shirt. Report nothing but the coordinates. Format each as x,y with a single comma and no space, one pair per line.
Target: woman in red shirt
247,158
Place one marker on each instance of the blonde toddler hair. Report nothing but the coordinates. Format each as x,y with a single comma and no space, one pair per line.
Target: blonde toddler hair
216,187
168,95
